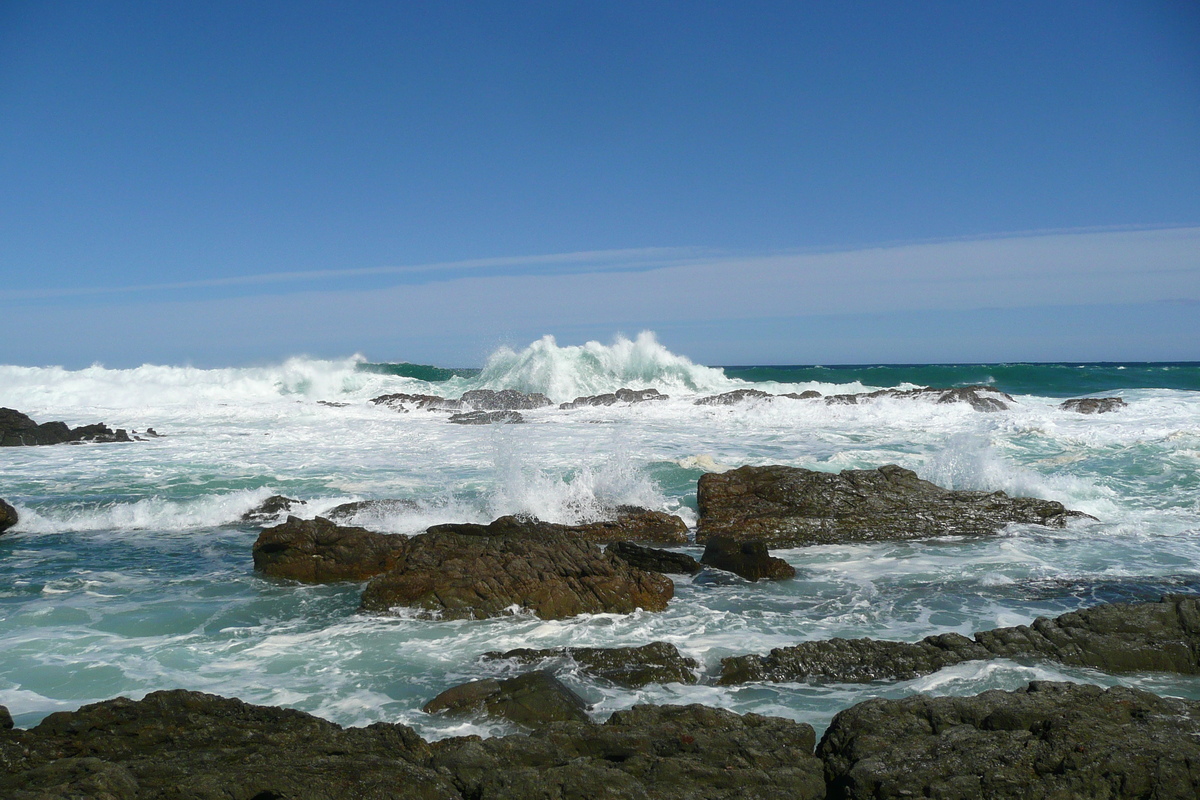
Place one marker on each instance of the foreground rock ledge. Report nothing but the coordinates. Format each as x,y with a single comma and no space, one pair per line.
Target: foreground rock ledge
1049,740
478,571
792,506
181,744
318,551
1117,637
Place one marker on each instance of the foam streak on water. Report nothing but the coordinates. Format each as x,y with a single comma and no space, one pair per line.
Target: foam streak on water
131,571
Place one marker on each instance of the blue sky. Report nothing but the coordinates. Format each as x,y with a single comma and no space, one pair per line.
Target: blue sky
223,183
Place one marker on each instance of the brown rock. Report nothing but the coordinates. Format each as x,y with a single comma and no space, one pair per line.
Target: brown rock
654,560
318,551
749,559
532,699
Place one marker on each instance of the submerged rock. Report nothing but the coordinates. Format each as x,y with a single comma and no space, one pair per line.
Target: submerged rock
654,560
477,571
532,700
8,516
1093,405
790,506
619,396
633,667
178,743
16,429
424,402
749,559
1048,740
1119,637
319,551
487,418
271,508
504,400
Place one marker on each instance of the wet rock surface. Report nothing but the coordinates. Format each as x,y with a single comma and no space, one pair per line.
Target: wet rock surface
504,400
655,560
1093,405
1119,637
632,667
320,551
620,396
980,398
734,397
403,402
749,559
487,418
272,507
477,571
370,509
181,744
1048,740
531,700
634,524
17,429
8,516
790,506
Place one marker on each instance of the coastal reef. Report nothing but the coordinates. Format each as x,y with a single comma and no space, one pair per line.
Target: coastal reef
17,429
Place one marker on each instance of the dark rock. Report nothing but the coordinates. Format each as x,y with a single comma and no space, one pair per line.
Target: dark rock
532,700
808,394
1048,740
186,744
619,396
659,752
272,507
654,560
318,551
634,524
980,398
633,667
1118,637
6,720
153,434
329,404
731,398
8,516
424,402
504,400
1093,405
16,429
487,418
842,400
789,506
477,571
749,559
372,509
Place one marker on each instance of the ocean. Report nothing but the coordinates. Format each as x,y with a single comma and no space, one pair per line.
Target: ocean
131,571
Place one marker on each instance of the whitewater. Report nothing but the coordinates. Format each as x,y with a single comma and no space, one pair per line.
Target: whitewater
131,571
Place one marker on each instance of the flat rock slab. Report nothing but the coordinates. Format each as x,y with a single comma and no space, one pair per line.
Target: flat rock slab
791,506
628,524
17,429
532,700
320,551
478,571
1048,740
186,744
655,560
633,667
1119,637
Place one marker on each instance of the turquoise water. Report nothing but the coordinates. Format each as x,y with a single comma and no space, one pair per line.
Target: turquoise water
130,570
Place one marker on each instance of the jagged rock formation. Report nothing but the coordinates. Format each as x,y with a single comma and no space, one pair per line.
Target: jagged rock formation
8,516
654,560
749,559
16,429
487,418
734,397
319,551
271,508
186,744
424,402
1118,637
632,667
469,408
980,398
1048,740
1093,405
790,506
532,700
619,396
477,571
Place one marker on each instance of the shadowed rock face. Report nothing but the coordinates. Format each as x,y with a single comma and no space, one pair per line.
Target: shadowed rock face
190,745
16,430
619,396
789,506
1093,405
749,559
1049,740
318,551
478,571
633,667
653,560
532,700
1117,637
8,516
